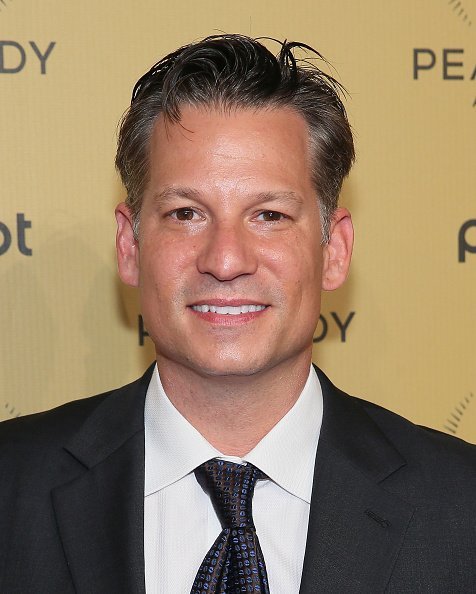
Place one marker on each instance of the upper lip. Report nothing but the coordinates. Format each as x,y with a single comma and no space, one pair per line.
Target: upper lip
229,302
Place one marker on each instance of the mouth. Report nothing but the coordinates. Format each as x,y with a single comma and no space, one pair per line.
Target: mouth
230,310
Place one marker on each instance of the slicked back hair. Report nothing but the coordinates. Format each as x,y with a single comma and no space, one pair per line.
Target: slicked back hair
234,71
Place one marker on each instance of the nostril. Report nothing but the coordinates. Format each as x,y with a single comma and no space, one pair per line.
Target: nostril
227,255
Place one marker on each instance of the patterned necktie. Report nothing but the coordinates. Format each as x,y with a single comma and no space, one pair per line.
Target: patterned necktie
235,563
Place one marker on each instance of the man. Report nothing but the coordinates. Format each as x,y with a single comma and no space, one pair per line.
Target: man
233,465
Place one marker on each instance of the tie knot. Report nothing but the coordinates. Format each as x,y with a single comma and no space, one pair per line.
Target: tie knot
231,488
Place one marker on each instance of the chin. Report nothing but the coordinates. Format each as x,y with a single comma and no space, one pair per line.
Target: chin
229,368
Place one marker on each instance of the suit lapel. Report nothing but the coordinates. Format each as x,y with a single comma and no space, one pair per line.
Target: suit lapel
100,513
356,526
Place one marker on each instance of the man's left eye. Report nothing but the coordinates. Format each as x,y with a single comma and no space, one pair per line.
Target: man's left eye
271,216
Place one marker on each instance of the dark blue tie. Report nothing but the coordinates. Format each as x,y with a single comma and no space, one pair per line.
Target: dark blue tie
235,563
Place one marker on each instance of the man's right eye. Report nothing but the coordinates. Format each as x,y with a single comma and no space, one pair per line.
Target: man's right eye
183,214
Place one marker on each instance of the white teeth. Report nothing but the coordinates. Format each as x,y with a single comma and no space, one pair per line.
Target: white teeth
228,309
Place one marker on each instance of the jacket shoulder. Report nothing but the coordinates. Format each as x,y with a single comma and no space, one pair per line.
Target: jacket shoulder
365,428
50,425
418,440
440,469
52,428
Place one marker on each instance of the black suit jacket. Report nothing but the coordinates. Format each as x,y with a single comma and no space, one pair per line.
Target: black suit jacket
393,506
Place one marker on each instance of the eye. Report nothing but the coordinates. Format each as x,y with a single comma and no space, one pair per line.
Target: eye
271,216
184,214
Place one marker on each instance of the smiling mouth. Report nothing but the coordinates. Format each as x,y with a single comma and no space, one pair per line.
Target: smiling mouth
231,310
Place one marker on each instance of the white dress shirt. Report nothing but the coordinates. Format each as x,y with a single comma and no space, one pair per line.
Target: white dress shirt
180,524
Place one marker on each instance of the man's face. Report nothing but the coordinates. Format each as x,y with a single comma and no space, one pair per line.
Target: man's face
229,259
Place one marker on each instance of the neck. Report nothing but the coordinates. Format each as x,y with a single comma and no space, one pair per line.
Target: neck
233,413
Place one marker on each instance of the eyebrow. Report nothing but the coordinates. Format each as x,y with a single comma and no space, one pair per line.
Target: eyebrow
289,197
170,193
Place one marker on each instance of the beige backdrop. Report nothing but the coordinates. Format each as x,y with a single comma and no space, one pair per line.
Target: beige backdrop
68,329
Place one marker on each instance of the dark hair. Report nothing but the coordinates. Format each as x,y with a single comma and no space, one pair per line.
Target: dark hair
235,71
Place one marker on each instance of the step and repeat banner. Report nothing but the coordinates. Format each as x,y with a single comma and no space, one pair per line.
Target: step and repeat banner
402,332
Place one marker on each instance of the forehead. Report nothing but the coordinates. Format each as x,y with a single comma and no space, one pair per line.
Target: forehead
236,144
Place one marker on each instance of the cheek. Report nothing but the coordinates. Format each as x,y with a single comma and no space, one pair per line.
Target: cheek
160,249
307,285
297,262
166,270
155,266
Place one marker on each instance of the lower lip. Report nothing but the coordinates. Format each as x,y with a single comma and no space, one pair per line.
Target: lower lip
228,319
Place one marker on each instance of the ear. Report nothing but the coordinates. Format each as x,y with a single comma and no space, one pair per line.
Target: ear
338,251
127,248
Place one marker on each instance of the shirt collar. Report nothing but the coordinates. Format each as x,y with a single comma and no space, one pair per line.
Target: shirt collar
174,448
287,453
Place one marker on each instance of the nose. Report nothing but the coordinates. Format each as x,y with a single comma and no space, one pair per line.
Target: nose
227,252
